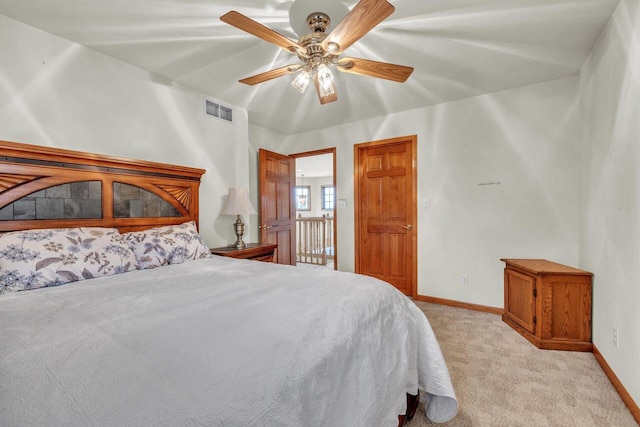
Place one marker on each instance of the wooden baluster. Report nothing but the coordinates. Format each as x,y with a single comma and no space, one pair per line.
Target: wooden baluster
299,239
306,241
314,245
323,240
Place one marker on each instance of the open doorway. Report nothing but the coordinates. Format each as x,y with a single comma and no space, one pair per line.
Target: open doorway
315,209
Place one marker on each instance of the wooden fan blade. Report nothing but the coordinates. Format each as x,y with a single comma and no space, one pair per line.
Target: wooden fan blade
240,21
271,74
382,70
324,99
363,17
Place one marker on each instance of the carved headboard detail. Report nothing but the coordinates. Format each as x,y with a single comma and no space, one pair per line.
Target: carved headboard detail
45,187
8,180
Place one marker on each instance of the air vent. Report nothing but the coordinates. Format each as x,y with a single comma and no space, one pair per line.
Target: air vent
216,110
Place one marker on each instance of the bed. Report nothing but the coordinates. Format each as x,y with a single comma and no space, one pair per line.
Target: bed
172,335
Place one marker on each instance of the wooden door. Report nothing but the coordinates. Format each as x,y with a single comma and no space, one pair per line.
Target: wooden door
277,210
385,211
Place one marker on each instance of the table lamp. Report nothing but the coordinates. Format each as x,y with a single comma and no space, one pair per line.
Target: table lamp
238,203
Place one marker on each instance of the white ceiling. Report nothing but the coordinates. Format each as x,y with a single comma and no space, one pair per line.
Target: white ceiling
315,166
459,48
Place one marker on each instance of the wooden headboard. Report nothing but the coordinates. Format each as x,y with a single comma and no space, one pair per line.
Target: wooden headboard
44,187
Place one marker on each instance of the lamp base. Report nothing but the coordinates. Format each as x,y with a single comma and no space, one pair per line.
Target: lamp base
239,244
238,226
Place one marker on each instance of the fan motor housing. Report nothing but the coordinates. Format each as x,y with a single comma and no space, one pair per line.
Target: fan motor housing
318,22
313,43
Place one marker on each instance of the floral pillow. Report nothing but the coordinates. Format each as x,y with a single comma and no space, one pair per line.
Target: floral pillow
50,257
172,244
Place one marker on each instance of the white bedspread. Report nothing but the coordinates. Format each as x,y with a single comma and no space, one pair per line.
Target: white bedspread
218,342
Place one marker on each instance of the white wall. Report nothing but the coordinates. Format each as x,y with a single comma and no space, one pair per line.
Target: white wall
610,190
60,94
500,173
315,184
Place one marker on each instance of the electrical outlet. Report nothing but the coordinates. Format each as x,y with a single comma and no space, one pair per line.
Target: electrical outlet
464,280
615,337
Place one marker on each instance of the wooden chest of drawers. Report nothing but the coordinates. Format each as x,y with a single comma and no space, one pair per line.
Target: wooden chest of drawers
548,303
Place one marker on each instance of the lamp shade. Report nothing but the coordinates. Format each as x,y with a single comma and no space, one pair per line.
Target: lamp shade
238,203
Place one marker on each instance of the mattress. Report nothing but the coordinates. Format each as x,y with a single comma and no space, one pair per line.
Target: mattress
218,342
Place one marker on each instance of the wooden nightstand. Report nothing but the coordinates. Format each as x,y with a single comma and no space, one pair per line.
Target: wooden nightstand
254,251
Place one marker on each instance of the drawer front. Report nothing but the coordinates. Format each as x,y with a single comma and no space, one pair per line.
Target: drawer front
264,258
251,253
520,303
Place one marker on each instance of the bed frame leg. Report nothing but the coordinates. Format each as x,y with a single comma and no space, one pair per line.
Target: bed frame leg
412,407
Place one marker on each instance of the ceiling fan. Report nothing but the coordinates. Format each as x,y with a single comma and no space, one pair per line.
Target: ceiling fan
319,50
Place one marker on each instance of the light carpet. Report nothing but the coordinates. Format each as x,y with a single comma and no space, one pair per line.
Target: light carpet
501,379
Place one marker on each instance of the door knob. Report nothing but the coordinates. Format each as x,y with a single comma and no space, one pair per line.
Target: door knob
265,227
407,227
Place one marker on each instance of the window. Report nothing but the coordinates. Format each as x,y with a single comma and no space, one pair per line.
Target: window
303,197
328,198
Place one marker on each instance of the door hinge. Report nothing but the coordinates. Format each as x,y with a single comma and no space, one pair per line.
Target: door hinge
535,319
535,292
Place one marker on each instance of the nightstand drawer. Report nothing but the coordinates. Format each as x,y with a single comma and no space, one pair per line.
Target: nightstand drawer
254,251
265,258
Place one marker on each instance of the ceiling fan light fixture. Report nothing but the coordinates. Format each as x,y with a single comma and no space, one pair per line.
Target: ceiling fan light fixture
326,90
325,77
301,81
320,49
